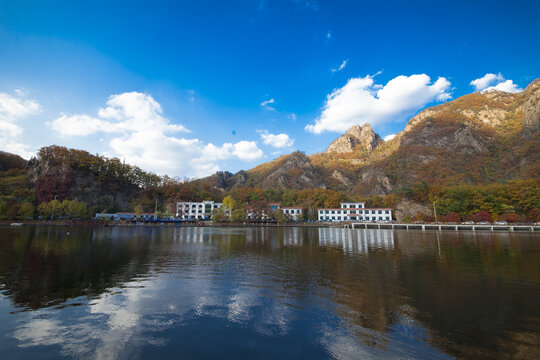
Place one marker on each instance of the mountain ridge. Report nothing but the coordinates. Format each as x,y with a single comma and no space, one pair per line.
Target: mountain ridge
477,138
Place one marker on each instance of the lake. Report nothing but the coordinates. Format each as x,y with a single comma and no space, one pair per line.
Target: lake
267,293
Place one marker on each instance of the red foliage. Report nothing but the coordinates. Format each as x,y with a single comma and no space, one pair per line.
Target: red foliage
424,217
480,216
451,217
48,185
511,218
534,215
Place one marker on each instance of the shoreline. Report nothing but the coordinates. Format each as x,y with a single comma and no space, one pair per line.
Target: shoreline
372,226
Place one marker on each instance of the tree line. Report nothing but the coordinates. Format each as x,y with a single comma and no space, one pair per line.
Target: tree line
517,200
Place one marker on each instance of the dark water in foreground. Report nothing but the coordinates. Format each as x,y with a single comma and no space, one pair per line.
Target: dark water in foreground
203,293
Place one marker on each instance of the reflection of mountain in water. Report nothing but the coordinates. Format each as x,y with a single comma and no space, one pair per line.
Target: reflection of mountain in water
357,241
365,292
44,266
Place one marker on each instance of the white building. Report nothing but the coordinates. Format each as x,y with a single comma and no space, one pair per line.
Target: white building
355,211
195,210
295,213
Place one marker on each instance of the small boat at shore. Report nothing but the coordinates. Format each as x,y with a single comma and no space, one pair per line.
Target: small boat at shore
16,224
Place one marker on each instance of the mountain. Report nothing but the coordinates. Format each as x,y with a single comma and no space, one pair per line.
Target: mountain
479,138
357,137
480,151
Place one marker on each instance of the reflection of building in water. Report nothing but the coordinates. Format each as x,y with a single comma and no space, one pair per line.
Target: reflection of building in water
189,234
292,237
356,240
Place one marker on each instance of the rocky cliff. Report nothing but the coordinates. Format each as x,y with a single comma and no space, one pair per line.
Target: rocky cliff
356,138
475,139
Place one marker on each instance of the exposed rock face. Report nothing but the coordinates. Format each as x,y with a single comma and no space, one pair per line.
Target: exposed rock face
488,108
295,170
472,139
341,178
240,178
462,139
411,208
531,109
374,182
417,119
220,179
79,184
357,137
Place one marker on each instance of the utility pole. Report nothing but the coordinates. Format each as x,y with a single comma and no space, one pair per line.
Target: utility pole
435,211
155,209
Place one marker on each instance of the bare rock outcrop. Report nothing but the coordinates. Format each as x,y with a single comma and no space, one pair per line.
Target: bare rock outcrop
357,137
296,170
411,208
374,182
341,178
531,109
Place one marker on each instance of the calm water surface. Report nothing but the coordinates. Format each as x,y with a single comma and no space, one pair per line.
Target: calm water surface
268,293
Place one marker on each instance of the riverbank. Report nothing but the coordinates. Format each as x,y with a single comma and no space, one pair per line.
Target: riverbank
387,226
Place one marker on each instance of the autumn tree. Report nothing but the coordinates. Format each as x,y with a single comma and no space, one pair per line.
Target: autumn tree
238,215
26,210
451,217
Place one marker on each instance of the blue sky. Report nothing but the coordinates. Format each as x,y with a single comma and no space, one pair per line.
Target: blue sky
189,87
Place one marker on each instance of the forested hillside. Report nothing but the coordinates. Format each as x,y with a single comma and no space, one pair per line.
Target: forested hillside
480,152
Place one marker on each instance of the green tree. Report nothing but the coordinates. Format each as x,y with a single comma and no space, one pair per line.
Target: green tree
238,215
75,209
3,208
55,206
45,209
281,217
64,208
26,210
229,203
218,215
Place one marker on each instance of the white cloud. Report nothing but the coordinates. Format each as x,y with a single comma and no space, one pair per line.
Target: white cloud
485,84
486,80
127,112
389,137
506,86
292,116
329,35
341,67
80,125
266,104
362,101
12,110
142,135
276,140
